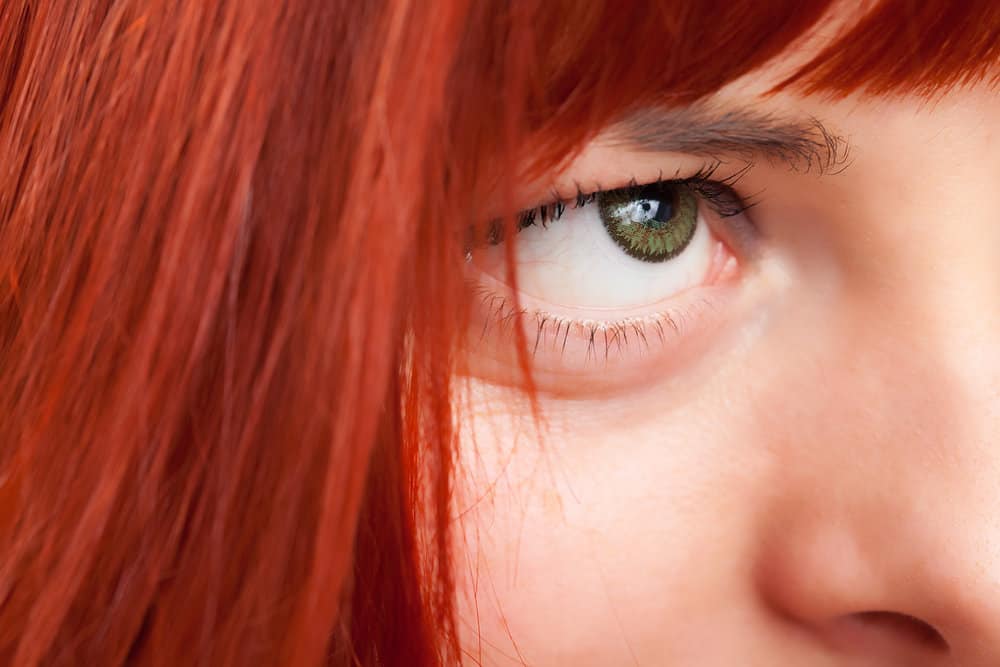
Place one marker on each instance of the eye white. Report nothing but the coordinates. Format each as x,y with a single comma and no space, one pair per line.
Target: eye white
574,263
640,210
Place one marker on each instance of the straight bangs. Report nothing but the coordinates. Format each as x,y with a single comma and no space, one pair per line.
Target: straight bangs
583,67
232,287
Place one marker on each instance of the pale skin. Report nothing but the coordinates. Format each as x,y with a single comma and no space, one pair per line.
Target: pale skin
808,476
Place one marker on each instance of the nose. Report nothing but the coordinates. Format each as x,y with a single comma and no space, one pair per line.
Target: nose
882,539
889,597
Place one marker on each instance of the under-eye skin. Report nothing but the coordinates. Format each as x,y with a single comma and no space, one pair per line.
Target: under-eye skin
652,222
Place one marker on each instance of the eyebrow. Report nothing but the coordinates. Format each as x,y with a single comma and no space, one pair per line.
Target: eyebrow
802,144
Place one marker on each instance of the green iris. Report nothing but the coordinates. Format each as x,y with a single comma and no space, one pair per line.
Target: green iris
652,222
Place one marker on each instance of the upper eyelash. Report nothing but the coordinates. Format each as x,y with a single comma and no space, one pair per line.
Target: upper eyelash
717,193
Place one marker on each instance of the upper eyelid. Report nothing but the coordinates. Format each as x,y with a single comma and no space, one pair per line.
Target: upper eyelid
744,134
704,175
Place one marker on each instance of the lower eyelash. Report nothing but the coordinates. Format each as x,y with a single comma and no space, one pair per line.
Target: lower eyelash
601,338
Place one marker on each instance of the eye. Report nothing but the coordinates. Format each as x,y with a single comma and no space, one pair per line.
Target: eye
606,271
619,249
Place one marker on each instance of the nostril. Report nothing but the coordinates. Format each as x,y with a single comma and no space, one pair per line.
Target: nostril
902,626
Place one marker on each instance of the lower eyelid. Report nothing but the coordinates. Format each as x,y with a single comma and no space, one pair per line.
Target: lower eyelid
587,358
490,288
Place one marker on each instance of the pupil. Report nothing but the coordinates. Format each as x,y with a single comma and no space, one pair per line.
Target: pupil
664,211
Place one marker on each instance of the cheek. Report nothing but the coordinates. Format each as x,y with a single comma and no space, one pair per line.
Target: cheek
601,538
638,527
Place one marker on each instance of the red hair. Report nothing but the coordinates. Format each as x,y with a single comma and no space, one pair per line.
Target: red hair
231,293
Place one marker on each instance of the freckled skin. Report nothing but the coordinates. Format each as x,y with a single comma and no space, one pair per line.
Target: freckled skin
829,452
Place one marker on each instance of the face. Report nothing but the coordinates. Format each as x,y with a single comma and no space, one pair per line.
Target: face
768,389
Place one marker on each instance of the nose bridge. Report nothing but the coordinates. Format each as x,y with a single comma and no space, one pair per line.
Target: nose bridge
922,339
919,331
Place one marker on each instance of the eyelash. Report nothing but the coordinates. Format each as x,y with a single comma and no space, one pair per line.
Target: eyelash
718,194
613,335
